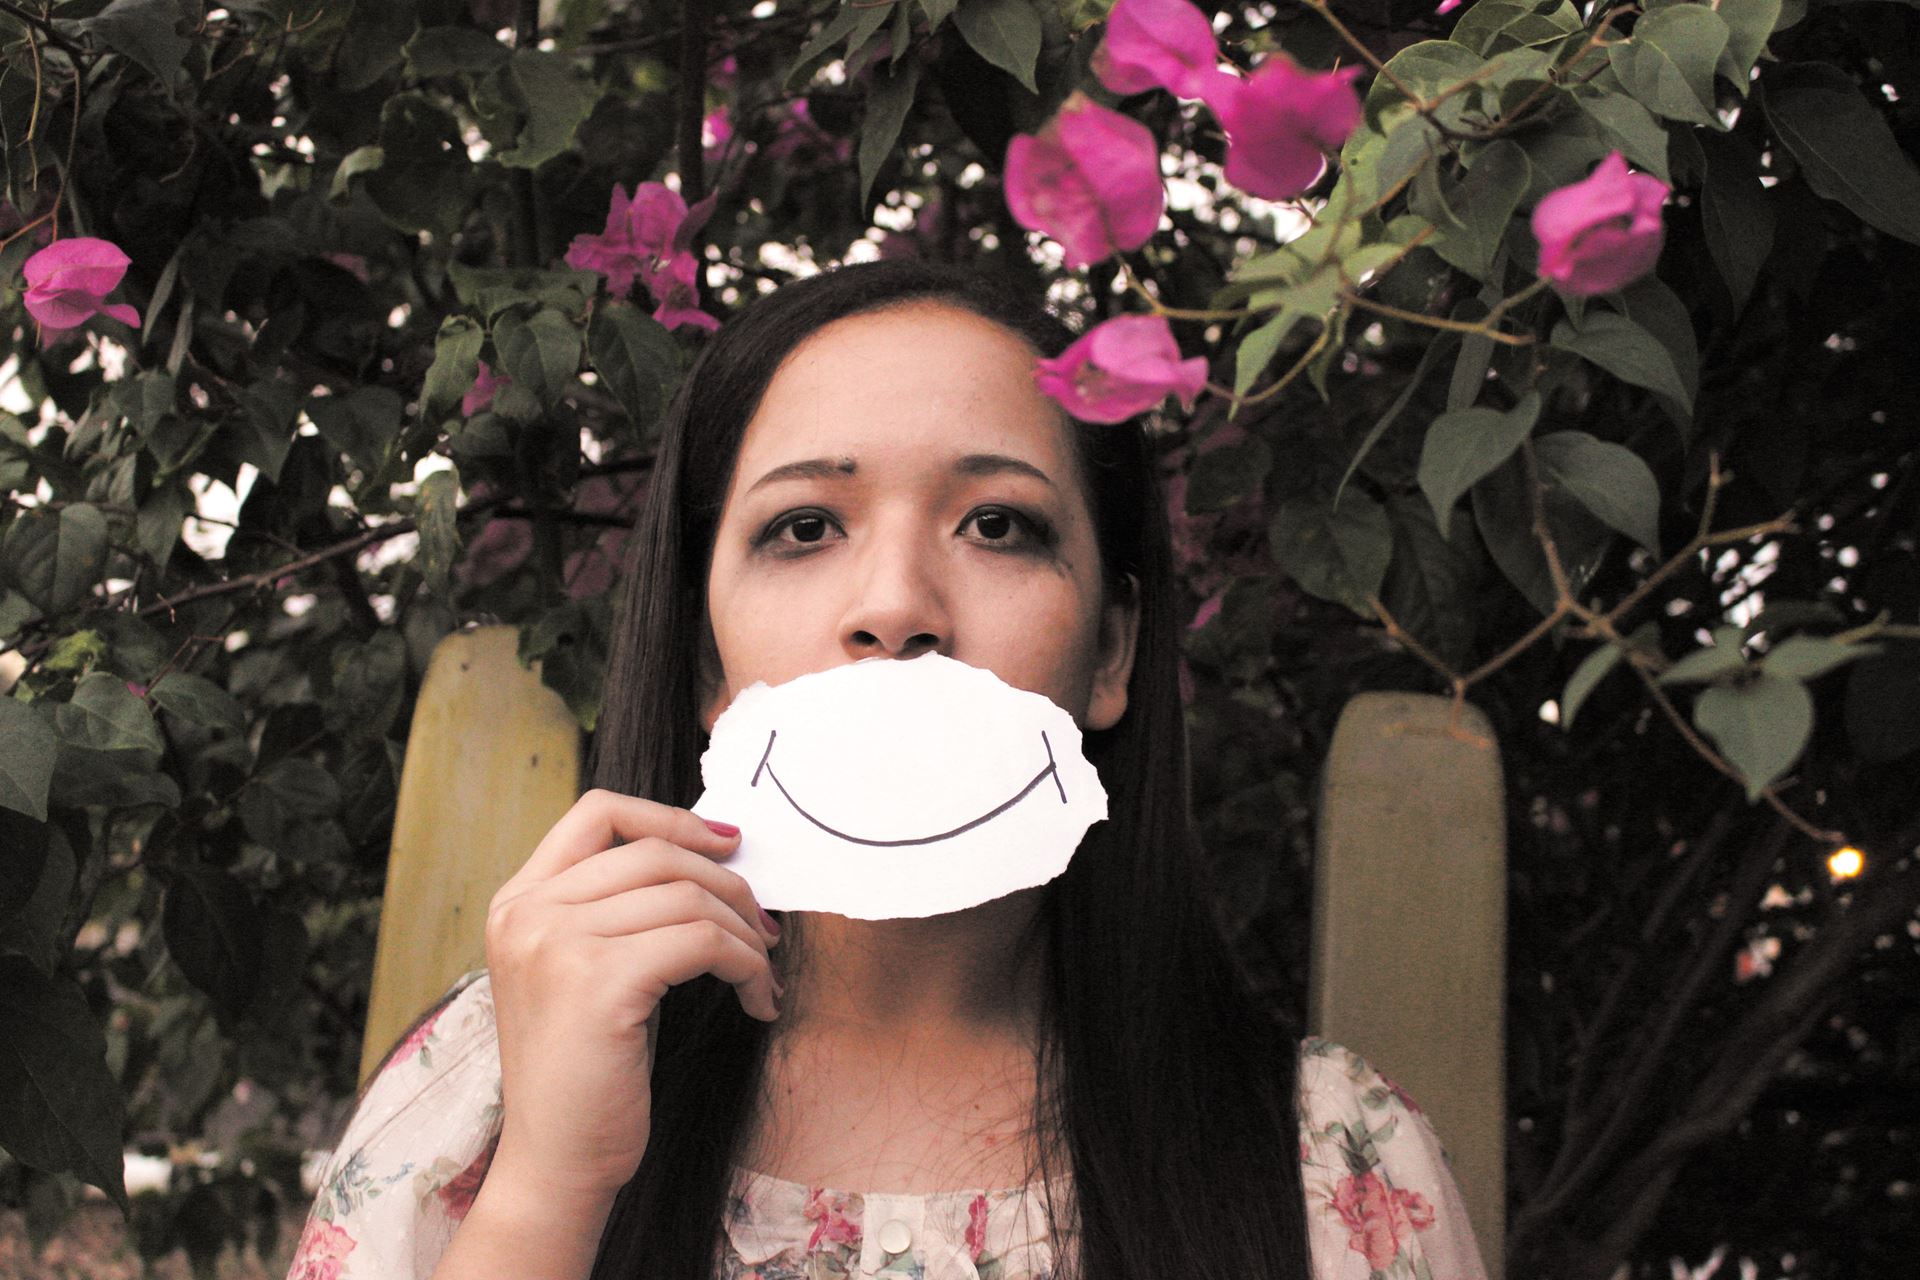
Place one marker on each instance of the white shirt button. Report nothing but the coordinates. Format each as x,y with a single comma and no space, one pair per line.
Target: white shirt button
895,1236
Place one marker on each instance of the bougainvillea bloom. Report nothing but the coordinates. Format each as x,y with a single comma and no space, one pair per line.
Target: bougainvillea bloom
647,239
1165,44
1281,121
1090,179
1603,232
486,384
69,280
1121,367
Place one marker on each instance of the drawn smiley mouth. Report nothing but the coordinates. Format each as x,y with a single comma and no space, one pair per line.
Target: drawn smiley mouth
1051,770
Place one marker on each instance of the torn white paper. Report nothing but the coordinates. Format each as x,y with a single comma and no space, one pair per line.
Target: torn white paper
891,788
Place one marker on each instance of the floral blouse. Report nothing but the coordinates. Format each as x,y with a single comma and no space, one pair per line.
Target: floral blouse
1381,1204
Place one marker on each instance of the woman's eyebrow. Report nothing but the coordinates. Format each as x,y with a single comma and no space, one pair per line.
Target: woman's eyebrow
808,469
991,464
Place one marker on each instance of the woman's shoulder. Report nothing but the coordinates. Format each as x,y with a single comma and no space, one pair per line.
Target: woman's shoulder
415,1149
1380,1193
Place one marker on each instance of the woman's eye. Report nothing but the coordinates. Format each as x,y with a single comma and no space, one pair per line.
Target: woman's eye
797,528
1002,527
807,528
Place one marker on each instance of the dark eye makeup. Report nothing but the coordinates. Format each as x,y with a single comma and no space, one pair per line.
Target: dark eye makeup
998,528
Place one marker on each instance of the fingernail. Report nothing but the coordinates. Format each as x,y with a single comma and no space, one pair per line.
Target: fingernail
768,924
721,828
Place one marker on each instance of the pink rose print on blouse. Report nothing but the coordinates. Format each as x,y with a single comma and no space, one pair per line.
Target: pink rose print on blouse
458,1195
828,1213
411,1045
1121,367
323,1249
1090,179
1603,232
1379,1218
976,1228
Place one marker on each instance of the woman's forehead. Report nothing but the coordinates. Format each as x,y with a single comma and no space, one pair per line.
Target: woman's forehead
907,382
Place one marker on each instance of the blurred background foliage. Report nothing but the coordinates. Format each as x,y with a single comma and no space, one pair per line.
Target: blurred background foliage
231,538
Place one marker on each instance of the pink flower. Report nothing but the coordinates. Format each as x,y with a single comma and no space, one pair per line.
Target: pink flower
1158,44
672,288
480,396
715,130
69,280
830,1220
1281,121
1121,367
355,264
1209,610
1446,7
1378,1217
323,1248
1090,179
459,1194
976,1228
647,239
1601,233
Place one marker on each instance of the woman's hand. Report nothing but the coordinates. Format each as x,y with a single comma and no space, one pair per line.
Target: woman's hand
620,901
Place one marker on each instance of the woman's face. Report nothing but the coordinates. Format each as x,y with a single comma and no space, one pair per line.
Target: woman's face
905,488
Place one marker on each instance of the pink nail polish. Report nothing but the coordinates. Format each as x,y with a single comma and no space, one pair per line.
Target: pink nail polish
721,828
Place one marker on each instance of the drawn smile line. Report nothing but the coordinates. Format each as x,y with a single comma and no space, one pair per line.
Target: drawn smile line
1051,771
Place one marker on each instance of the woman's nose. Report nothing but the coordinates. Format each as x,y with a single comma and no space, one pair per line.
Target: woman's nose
898,608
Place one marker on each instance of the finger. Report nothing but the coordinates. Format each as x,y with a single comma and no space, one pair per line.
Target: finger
654,861
601,819
661,906
681,952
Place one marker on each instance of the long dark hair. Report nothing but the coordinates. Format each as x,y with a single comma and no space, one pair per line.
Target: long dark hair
1167,1089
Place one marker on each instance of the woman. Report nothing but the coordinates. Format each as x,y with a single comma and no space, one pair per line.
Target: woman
655,1078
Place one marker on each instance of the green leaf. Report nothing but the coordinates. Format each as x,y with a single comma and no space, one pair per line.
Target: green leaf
1608,479
1749,23
439,532
1586,677
853,23
1429,358
1431,579
1503,512
1632,129
1256,350
553,102
60,1107
157,524
1708,664
369,684
1760,726
147,31
541,353
456,363
55,560
1625,350
364,424
423,184
888,101
1223,476
447,51
1006,33
198,700
264,433
937,11
27,746
1843,145
1485,203
1735,215
1807,657
357,161
1462,447
23,859
491,290
104,715
1336,553
636,359
1669,63
212,928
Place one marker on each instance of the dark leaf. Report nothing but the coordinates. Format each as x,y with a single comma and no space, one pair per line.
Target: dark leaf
1843,145
60,1107
212,929
27,745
